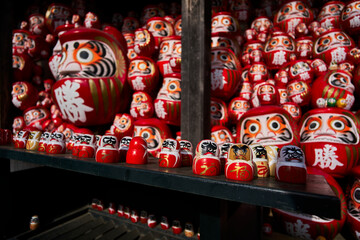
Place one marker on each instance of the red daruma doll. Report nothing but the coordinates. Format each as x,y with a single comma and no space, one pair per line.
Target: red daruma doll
143,74
137,152
170,154
206,161
278,49
107,152
168,101
225,73
93,71
330,140
291,13
267,125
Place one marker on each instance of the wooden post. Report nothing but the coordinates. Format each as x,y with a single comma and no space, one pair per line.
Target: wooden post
7,20
195,70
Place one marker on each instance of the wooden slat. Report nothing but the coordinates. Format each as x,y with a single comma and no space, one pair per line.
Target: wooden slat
115,233
81,230
98,231
64,228
195,70
134,234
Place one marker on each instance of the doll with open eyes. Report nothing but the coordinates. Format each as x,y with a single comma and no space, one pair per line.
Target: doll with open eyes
291,13
330,140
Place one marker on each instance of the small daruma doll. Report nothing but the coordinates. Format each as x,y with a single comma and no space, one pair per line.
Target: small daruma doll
218,112
330,140
123,125
142,106
224,22
144,43
107,151
335,84
93,70
56,144
349,19
186,153
332,46
33,140
36,116
225,73
267,125
291,166
168,101
239,165
278,49
237,107
169,156
160,28
24,95
329,15
169,59
154,131
221,134
143,74
206,161
137,152
291,13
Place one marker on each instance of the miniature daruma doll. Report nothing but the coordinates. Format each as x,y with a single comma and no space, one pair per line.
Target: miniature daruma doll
93,70
170,50
334,84
186,153
239,165
267,125
137,152
329,15
36,116
154,131
168,101
332,46
144,44
107,152
170,154
278,49
143,74
124,147
349,19
24,95
225,73
290,166
330,140
33,140
206,161
290,14
56,144
123,125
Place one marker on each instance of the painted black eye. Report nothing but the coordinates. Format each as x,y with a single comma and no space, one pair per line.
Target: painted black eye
356,195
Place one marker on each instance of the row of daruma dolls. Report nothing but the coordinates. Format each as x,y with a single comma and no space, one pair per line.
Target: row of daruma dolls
145,218
239,161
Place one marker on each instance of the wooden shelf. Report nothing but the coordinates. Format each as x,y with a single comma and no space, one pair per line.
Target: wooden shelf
316,197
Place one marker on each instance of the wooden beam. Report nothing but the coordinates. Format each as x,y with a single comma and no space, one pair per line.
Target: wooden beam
195,70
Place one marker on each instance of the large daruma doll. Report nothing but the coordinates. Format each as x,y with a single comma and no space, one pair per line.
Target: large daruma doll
267,125
330,140
93,70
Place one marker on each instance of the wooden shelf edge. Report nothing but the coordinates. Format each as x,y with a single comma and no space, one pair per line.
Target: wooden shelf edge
316,197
